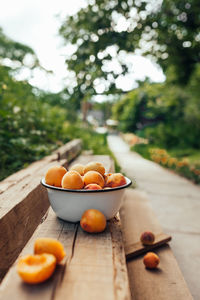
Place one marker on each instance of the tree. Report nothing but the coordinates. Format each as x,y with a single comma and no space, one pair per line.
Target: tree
173,32
105,31
31,126
19,55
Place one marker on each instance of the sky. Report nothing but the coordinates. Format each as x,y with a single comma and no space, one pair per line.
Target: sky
36,23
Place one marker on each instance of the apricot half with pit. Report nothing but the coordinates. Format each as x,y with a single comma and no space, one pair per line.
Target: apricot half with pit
72,180
50,246
93,221
151,260
54,175
34,269
95,166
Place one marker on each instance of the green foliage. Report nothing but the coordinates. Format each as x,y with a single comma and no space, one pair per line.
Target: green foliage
29,127
173,33
92,141
164,113
19,55
104,31
185,162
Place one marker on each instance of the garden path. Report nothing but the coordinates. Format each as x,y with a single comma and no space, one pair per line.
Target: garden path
176,202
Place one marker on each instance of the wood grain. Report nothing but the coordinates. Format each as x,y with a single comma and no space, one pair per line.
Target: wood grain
165,283
23,202
95,267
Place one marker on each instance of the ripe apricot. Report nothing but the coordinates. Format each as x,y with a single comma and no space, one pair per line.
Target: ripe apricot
54,175
147,238
93,186
151,260
51,246
78,168
93,177
36,268
94,166
93,221
115,179
72,180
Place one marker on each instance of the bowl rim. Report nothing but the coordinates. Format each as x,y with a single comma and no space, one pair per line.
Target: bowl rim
86,191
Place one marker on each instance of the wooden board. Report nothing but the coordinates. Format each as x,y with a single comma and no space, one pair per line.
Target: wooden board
134,249
165,283
95,267
23,202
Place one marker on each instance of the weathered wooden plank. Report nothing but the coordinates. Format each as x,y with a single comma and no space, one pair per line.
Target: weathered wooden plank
95,267
12,286
68,152
165,283
24,202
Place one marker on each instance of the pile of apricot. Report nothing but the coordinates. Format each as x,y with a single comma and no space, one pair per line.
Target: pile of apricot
89,177
38,267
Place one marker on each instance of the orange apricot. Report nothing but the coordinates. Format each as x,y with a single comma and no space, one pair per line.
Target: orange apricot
151,260
93,177
93,186
147,238
78,168
94,166
93,221
51,246
72,180
115,179
54,175
34,269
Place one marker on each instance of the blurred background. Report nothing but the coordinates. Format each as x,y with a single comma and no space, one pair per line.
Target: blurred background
89,68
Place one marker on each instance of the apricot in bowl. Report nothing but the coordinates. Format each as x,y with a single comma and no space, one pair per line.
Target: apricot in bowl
70,204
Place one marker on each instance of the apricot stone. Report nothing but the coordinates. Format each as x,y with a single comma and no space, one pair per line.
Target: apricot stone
51,246
151,260
78,168
115,179
34,269
93,186
54,175
147,238
94,166
94,177
93,221
72,180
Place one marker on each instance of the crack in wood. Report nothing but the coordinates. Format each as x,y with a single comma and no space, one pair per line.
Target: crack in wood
61,269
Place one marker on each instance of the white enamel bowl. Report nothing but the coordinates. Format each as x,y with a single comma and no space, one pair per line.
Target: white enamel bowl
69,205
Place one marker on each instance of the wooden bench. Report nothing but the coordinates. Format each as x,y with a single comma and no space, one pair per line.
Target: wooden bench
95,267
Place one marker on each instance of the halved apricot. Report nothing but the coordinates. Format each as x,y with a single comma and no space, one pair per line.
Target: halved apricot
54,175
50,246
34,269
